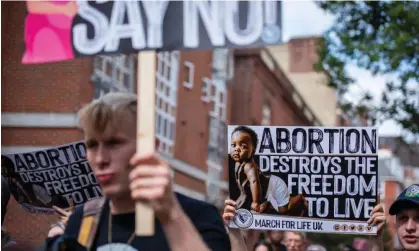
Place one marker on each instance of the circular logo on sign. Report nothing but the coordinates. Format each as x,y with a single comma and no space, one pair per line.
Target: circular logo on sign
360,228
243,218
412,191
368,228
336,227
352,227
271,34
345,227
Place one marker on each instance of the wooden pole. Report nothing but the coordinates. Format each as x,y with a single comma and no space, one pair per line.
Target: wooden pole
146,86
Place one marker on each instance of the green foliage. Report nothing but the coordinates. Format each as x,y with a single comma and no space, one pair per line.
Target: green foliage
382,37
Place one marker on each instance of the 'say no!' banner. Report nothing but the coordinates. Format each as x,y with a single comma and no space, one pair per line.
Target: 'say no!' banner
41,179
310,179
64,30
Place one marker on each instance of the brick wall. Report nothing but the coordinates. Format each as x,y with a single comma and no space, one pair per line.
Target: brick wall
303,54
58,88
252,81
192,113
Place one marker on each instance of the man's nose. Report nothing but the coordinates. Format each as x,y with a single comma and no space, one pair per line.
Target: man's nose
411,225
102,156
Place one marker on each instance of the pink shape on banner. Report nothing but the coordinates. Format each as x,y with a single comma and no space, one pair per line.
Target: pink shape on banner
48,32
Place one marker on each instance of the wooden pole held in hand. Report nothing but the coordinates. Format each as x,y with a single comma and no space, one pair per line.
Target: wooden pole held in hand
146,86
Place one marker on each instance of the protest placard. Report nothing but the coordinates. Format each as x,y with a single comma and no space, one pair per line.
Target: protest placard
41,179
64,30
310,179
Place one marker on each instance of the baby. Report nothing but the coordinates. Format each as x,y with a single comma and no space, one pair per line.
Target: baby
266,191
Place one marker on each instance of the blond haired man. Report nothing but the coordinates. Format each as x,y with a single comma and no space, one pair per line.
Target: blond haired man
182,223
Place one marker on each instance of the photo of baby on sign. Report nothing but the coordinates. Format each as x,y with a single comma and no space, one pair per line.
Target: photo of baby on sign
262,193
310,179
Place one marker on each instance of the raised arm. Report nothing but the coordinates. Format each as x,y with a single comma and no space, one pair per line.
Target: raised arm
235,234
378,219
151,181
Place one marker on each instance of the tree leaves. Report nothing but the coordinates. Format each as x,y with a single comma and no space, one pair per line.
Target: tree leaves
382,37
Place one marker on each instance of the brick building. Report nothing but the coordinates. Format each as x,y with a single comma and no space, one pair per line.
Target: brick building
296,59
197,94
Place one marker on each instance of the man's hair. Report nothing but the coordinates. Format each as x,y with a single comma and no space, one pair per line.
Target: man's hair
7,167
263,243
302,234
107,110
253,135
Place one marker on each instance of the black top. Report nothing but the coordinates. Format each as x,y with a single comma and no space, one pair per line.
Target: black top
204,216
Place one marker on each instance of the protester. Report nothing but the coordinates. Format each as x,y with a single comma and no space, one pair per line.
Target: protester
263,245
276,238
59,227
315,247
406,210
294,241
181,223
5,197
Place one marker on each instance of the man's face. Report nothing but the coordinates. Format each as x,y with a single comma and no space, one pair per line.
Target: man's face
275,236
241,147
407,227
261,248
109,154
293,241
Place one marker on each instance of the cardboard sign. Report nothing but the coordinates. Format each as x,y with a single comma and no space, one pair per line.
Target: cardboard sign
41,179
310,179
64,30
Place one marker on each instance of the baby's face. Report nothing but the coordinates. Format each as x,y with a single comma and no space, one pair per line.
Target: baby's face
241,146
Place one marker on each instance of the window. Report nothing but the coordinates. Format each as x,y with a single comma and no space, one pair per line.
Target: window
166,99
113,74
206,90
266,114
188,71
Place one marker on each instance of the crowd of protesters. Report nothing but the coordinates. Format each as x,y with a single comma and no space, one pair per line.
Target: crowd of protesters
182,223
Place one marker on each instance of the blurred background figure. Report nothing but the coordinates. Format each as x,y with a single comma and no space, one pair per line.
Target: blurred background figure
316,247
294,241
5,197
276,238
263,245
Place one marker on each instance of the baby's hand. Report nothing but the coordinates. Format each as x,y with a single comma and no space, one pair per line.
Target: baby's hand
255,206
229,211
264,206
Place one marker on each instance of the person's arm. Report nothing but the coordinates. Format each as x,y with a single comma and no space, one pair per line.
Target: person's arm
378,219
253,177
45,7
237,240
207,232
150,181
71,229
235,234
